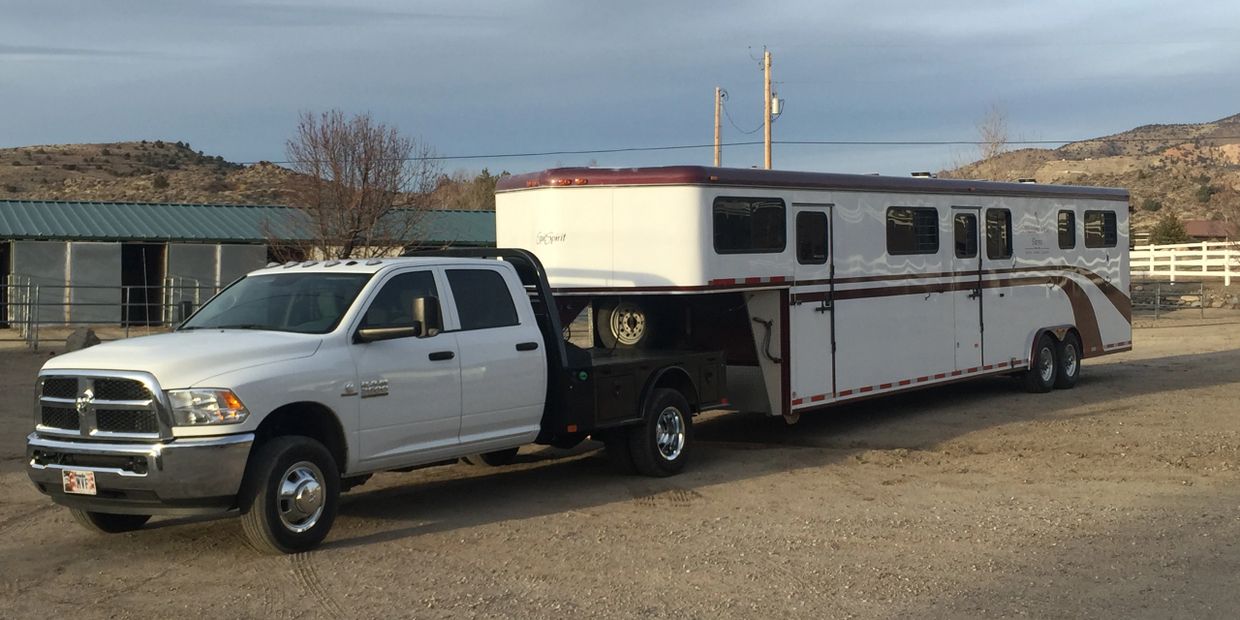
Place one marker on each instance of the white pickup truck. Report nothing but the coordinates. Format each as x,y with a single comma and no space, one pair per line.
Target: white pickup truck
299,380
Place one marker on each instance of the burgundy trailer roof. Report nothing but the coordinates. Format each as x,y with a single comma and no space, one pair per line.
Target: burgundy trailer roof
752,177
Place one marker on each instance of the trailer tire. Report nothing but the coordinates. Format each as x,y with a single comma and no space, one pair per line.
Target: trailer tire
660,444
108,523
498,458
1068,360
290,495
1043,366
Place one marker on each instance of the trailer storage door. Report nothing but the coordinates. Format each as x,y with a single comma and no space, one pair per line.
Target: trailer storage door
967,287
812,314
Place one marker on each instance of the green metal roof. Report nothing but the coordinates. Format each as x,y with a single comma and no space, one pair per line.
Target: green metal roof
141,221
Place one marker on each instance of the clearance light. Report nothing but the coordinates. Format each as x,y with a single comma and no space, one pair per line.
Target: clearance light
531,183
580,181
561,182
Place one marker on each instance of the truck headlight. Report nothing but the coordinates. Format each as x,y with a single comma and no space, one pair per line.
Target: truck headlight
199,407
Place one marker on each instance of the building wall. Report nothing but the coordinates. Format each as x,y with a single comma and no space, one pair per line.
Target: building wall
43,264
94,277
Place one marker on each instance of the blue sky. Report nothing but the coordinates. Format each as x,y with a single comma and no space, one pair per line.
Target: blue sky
476,77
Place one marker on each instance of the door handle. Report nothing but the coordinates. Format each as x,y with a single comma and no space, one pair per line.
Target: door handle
440,356
527,346
977,292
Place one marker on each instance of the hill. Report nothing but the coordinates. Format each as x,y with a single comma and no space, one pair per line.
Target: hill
161,171
134,171
1189,170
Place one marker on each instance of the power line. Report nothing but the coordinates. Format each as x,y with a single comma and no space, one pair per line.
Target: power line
680,147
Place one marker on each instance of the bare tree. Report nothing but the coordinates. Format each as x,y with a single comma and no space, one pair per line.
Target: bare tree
992,141
361,185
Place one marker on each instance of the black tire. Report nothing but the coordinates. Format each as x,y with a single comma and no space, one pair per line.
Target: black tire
616,448
637,324
660,445
272,524
1043,368
1068,361
499,458
108,523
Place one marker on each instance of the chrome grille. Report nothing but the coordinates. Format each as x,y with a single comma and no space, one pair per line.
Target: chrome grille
126,420
60,387
120,389
120,405
61,417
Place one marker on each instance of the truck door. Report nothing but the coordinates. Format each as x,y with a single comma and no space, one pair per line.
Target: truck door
410,388
812,313
503,358
967,276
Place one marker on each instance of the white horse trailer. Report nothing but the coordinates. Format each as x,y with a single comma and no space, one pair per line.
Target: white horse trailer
828,288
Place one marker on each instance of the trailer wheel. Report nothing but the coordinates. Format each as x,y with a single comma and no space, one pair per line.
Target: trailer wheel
660,444
499,458
289,498
1043,368
1068,358
108,523
624,324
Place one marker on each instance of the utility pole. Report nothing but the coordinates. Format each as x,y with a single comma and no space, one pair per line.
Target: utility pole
766,105
718,133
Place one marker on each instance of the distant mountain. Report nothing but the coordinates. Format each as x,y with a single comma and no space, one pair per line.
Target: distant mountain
1191,170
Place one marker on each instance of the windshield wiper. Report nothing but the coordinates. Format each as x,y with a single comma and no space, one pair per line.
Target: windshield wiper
242,326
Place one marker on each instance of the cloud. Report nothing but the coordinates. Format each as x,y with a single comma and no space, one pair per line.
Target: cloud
51,51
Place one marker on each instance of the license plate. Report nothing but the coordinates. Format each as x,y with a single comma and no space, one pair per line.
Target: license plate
78,482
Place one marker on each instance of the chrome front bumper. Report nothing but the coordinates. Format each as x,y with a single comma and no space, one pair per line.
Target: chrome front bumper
183,476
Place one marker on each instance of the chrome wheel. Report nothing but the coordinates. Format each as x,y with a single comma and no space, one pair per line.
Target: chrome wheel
1069,360
670,433
300,497
1046,364
628,324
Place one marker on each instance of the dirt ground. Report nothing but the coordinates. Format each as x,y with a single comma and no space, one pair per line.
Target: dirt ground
1120,498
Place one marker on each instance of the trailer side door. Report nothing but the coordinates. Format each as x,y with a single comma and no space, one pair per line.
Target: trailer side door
967,287
812,314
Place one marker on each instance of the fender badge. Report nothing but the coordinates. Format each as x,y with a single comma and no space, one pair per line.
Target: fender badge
350,389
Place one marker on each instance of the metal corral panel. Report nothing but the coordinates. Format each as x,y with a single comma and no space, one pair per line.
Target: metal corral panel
93,266
238,260
45,264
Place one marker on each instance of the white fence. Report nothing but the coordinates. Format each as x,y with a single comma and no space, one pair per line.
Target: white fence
1187,260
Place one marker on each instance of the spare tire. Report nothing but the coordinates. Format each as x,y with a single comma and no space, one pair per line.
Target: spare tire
625,324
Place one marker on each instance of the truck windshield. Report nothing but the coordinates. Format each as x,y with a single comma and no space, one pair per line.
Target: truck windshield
307,303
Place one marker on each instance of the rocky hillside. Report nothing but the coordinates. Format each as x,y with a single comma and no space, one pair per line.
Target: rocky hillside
134,171
1190,170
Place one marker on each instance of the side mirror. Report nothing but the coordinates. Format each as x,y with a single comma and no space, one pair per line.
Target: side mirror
375,334
426,313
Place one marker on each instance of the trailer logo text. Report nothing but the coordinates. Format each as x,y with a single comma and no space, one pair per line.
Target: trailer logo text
551,238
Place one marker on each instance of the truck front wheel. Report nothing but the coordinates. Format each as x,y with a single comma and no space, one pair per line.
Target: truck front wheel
660,444
290,495
108,523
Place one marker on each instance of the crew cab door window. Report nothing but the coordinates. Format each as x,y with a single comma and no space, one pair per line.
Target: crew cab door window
393,306
503,360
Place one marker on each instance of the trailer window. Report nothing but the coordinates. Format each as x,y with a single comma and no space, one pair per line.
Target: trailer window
1067,230
749,225
912,230
998,233
482,298
966,235
1100,231
811,237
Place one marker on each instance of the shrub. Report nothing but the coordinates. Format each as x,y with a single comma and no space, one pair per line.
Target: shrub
106,151
68,166
17,162
1169,229
1204,193
159,182
10,188
1149,204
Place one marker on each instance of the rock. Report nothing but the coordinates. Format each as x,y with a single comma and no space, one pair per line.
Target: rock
1217,303
81,338
1190,298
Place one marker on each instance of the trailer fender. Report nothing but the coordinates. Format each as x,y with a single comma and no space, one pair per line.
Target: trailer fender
1058,332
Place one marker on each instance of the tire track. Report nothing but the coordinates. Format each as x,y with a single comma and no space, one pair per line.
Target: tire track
307,577
24,519
673,498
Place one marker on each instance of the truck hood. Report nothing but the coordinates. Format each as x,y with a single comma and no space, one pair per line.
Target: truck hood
182,359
